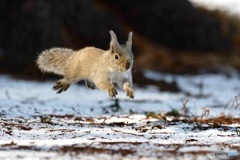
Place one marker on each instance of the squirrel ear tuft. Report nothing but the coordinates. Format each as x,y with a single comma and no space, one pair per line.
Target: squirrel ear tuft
129,41
114,42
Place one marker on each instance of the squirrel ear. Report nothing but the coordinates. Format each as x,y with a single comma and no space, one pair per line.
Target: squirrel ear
129,41
114,42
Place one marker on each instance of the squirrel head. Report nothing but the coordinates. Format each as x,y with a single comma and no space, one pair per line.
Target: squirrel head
121,56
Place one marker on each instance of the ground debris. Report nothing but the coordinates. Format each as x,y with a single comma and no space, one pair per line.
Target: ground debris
94,150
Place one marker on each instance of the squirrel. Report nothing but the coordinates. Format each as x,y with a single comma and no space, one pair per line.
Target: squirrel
98,68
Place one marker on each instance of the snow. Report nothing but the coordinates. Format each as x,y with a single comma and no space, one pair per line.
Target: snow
230,6
82,120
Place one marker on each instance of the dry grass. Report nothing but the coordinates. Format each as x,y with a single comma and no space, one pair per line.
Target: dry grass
203,121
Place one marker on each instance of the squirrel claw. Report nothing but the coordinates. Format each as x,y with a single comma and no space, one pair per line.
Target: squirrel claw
112,92
90,84
60,87
129,92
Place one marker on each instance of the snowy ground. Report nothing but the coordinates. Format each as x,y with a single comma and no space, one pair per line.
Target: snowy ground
84,124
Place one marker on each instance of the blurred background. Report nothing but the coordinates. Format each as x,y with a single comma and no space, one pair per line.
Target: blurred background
169,36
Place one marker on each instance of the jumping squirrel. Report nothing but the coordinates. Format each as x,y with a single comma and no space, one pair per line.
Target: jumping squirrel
97,67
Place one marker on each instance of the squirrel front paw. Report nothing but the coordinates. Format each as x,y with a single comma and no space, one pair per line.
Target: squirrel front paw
112,92
90,84
129,92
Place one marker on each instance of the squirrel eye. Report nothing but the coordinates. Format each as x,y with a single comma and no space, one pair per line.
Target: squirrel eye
116,57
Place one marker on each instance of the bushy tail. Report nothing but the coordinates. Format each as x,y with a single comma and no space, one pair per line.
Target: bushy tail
54,60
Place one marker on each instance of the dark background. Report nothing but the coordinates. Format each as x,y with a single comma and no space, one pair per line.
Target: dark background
168,35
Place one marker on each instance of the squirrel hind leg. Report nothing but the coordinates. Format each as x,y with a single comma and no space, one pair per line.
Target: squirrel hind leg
61,85
90,84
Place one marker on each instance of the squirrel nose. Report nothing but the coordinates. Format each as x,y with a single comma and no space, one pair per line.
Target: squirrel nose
127,65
